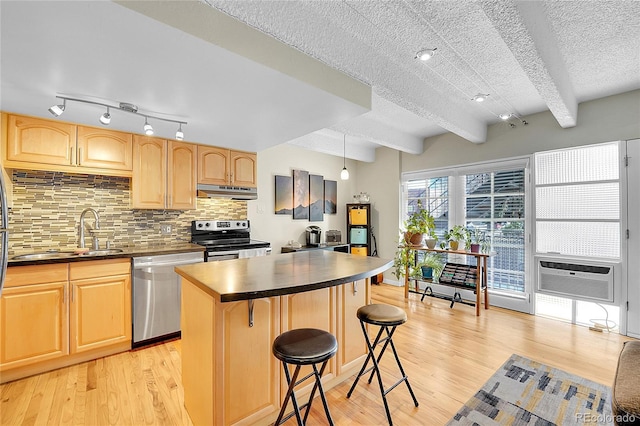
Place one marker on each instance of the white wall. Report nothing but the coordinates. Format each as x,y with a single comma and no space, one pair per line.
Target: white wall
282,160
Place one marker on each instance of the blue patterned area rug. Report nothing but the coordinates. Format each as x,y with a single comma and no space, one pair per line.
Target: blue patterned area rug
525,392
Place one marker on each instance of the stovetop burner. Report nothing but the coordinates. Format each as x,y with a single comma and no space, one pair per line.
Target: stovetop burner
224,235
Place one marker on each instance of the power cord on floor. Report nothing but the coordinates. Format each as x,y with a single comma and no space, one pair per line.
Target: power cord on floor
598,326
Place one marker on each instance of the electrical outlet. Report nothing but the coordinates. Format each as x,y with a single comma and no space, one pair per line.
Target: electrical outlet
165,229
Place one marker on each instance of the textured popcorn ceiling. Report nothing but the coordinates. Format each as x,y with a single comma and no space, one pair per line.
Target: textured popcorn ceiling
254,74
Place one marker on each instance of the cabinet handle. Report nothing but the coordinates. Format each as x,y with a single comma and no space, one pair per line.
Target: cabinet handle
73,290
355,288
71,156
79,156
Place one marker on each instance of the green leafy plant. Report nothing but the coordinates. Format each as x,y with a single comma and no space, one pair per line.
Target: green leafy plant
457,233
431,260
478,236
404,259
420,222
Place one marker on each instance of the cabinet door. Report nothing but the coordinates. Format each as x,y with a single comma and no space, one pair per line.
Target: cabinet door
213,165
148,182
100,312
33,324
35,140
244,169
352,348
104,149
182,175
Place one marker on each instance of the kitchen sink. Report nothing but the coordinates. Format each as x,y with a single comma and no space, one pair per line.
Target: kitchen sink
50,254
55,254
104,252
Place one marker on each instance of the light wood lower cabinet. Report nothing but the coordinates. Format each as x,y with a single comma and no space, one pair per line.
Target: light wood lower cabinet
33,316
100,304
352,349
60,314
229,373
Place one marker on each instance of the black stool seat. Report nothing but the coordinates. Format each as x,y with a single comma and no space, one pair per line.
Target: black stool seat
379,314
304,346
387,317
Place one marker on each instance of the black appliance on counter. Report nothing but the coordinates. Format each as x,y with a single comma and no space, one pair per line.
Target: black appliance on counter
227,239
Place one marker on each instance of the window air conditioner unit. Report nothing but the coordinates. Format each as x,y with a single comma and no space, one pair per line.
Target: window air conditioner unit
587,280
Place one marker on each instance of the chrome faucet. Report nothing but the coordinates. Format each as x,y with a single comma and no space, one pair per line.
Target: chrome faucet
97,226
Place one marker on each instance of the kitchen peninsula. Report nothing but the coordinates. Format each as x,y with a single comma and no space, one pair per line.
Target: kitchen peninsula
233,310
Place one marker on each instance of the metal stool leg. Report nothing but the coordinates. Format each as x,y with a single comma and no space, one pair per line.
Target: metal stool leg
318,385
404,376
290,394
370,354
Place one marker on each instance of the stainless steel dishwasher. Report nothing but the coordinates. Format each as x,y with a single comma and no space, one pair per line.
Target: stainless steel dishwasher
156,296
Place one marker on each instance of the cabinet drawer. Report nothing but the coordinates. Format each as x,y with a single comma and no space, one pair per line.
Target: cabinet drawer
99,268
36,274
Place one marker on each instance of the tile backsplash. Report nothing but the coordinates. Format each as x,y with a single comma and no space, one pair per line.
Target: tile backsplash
46,212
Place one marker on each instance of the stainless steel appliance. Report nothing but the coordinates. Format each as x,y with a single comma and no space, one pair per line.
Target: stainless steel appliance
227,239
156,296
313,235
4,232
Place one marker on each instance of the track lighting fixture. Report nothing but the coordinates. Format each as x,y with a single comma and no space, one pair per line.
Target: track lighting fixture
105,118
148,130
480,97
426,54
509,117
56,110
344,174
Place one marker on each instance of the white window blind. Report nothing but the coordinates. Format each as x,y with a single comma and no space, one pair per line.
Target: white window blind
578,201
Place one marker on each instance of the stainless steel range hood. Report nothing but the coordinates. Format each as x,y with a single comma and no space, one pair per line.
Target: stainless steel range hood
226,191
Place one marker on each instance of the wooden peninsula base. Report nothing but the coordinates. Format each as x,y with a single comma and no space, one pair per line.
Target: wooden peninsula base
229,374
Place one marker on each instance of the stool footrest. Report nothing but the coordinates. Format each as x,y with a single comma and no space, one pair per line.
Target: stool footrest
392,387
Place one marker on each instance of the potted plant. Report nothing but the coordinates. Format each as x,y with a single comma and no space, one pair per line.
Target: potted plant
456,235
419,224
404,261
430,266
478,241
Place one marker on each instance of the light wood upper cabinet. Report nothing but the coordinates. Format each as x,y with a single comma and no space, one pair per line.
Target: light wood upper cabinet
213,165
39,144
100,312
105,149
244,167
181,175
164,174
220,166
33,315
33,140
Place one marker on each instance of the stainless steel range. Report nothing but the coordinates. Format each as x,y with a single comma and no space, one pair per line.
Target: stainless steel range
227,239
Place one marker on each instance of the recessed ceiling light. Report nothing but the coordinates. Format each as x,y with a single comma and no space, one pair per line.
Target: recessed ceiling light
426,54
505,116
480,97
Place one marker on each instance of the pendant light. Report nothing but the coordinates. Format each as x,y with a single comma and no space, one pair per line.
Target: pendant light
344,174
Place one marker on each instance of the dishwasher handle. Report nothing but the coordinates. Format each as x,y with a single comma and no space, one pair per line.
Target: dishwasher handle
145,262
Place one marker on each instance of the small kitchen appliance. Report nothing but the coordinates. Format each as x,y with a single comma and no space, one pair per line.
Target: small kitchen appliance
333,236
313,235
227,239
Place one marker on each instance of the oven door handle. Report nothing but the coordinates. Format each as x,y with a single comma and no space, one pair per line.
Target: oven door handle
223,253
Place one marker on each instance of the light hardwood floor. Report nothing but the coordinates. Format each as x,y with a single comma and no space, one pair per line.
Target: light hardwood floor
447,353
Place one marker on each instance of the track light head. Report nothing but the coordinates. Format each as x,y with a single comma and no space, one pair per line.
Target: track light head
148,129
57,110
179,133
105,118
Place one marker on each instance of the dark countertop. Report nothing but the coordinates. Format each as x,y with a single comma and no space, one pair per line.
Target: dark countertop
130,251
280,274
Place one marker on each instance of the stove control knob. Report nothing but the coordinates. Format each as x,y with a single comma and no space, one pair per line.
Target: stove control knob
207,224
200,225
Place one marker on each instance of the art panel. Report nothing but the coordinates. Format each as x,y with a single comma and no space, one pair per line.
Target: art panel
300,194
330,196
284,195
316,198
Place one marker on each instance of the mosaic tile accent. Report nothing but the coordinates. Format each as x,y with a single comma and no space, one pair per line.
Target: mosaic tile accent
47,205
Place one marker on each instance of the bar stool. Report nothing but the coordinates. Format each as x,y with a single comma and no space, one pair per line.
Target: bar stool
304,346
388,318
